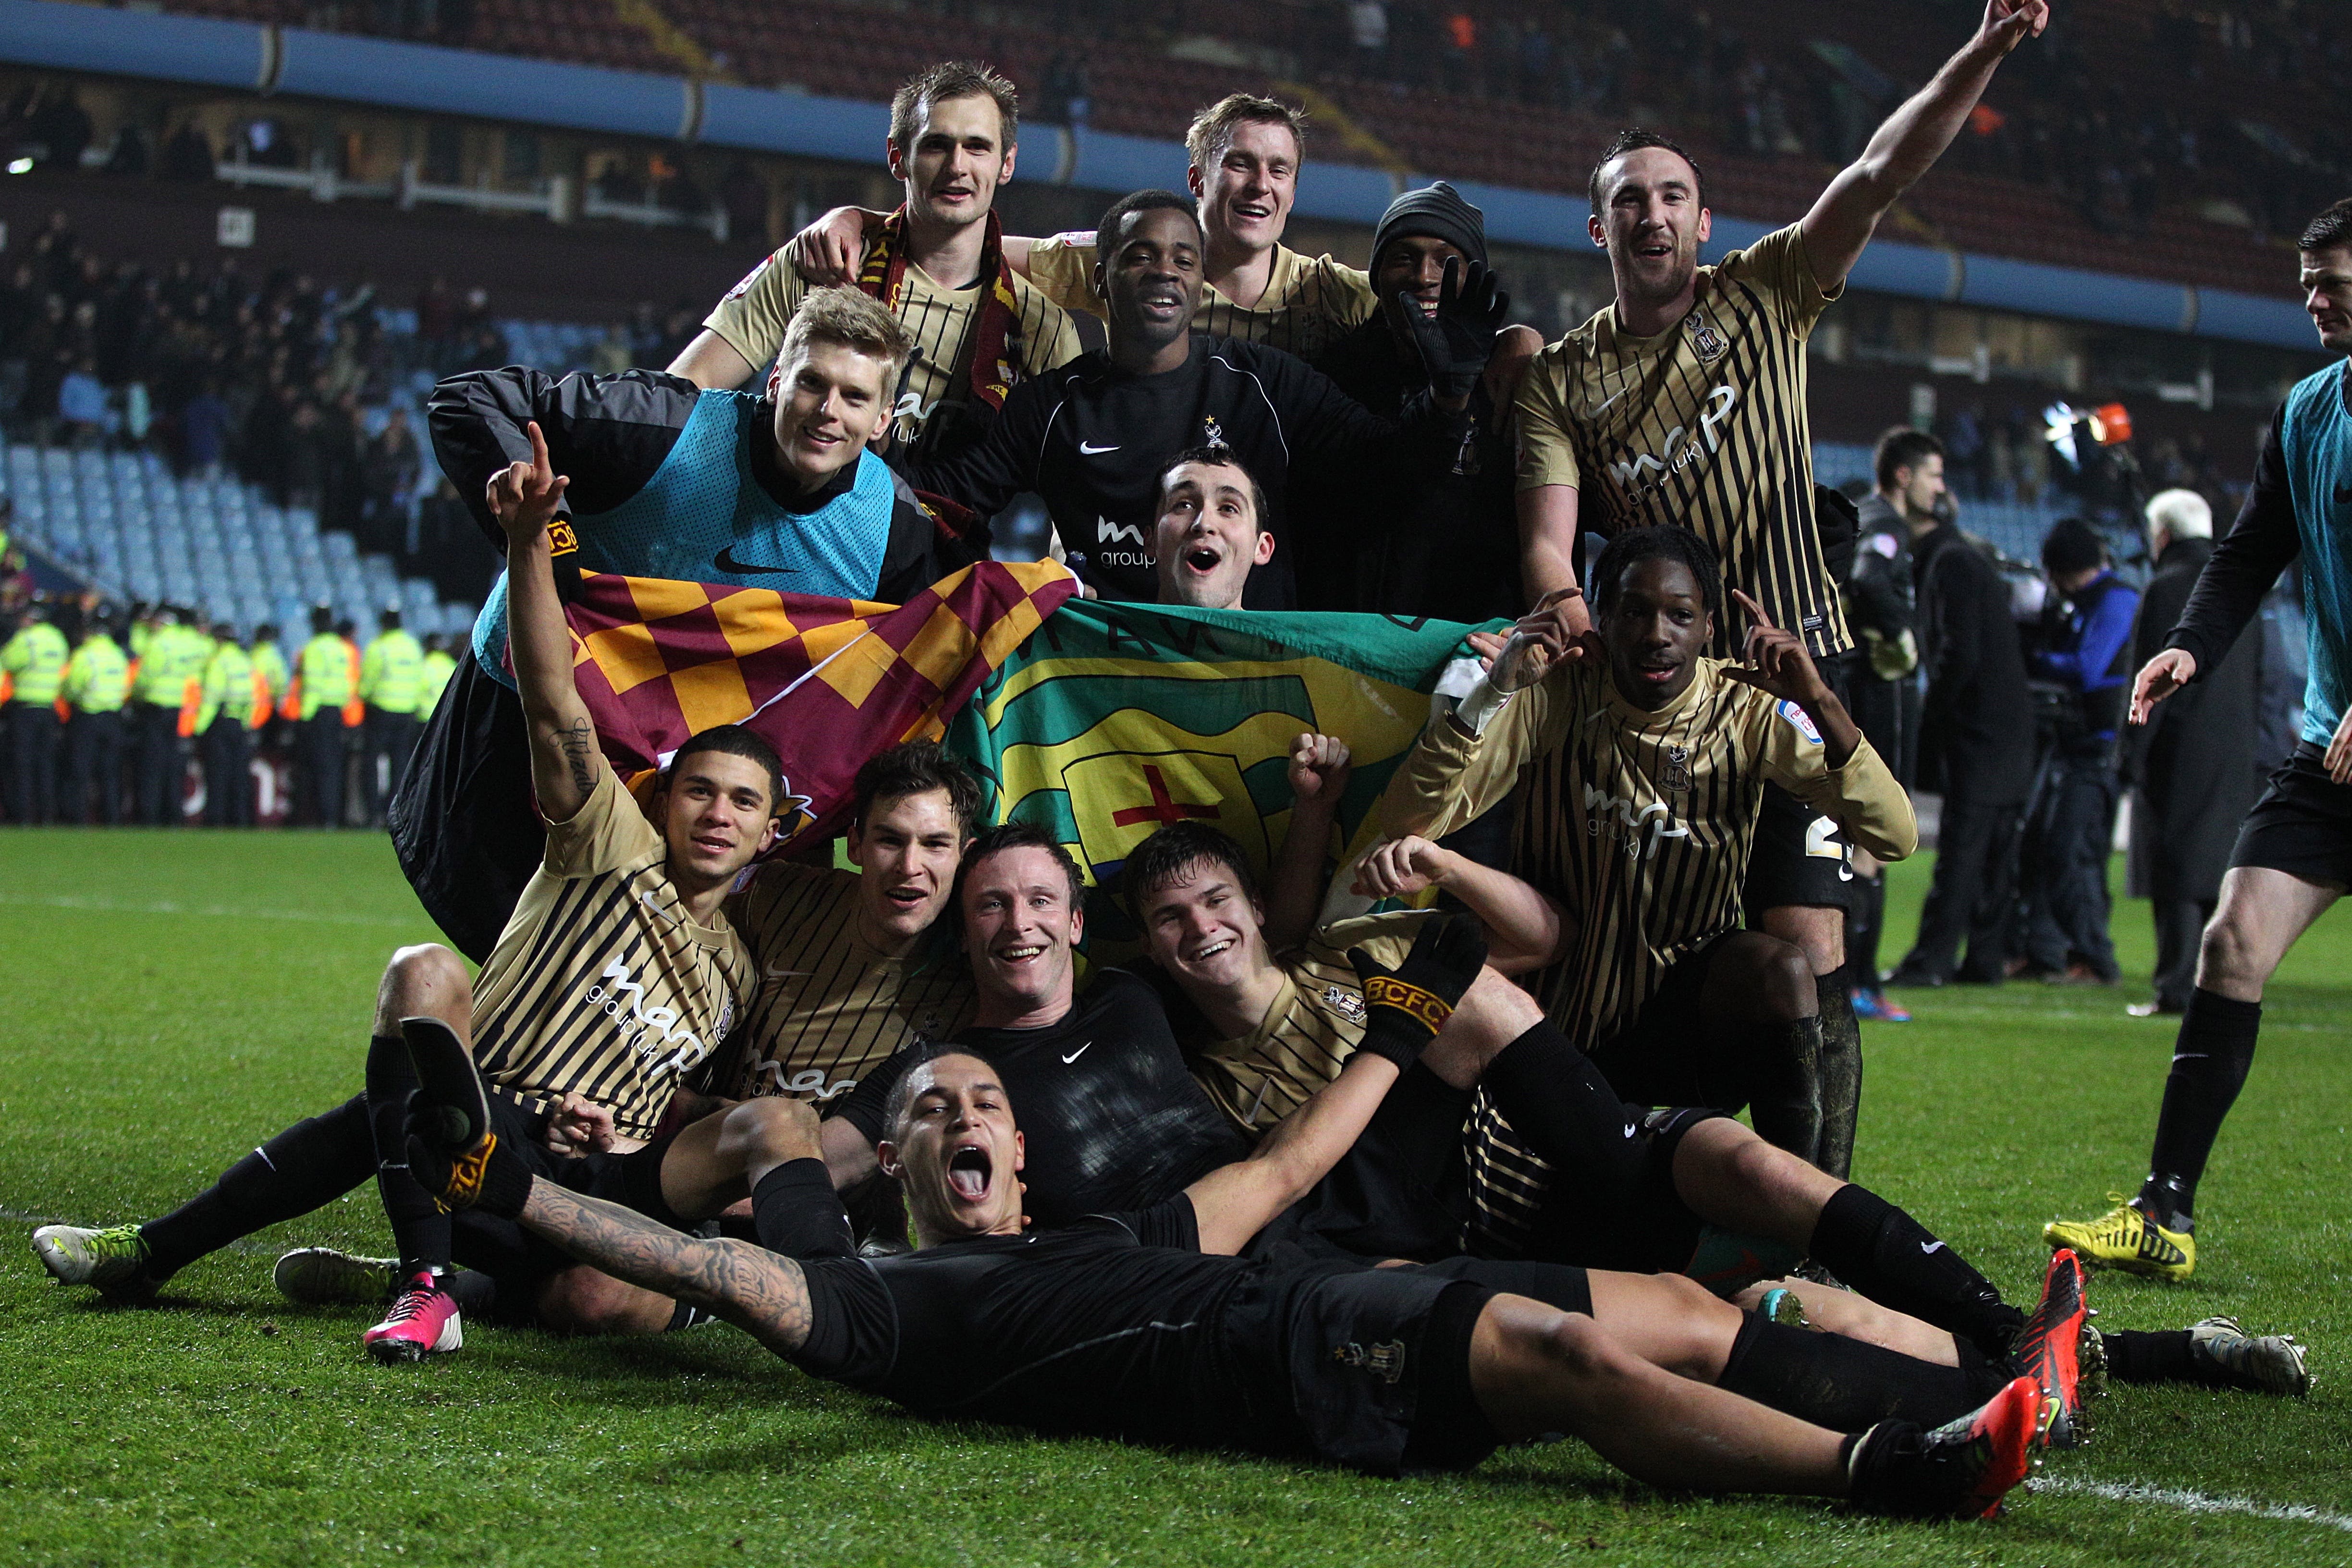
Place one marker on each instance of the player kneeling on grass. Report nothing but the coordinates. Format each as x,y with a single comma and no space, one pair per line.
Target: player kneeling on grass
616,978
1142,1326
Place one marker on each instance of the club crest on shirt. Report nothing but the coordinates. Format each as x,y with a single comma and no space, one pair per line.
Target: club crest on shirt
1346,1003
1800,721
1675,775
1709,343
1212,433
1385,1362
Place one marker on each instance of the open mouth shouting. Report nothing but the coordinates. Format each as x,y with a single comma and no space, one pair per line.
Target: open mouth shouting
971,1172
907,897
1202,557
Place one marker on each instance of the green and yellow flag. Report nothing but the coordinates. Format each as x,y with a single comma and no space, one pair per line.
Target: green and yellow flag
1114,718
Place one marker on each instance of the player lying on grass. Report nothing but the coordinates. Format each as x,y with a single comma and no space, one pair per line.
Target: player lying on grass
1121,1124
618,976
1627,1187
1141,1326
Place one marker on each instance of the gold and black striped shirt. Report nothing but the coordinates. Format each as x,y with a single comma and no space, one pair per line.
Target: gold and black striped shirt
1310,303
1314,1024
829,1008
754,313
1639,824
600,984
1704,426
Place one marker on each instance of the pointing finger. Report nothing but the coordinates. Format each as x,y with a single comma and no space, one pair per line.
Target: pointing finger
541,469
1755,611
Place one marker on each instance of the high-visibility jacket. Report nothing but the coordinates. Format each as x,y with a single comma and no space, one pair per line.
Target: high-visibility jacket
35,660
326,675
172,659
98,677
271,682
142,634
438,667
228,686
354,706
392,673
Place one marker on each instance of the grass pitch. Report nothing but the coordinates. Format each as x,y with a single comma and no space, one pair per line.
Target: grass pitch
168,1000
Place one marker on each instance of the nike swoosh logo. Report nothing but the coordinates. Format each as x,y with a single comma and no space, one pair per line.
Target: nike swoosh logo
1089,449
727,562
1074,1056
1929,1248
1629,1130
1597,409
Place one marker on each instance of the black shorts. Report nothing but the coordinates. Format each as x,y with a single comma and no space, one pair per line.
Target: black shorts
1650,1231
2303,822
521,1261
1376,1362
462,820
1399,1193
1800,856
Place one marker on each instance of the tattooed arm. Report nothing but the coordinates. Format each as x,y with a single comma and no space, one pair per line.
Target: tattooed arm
564,761
761,1292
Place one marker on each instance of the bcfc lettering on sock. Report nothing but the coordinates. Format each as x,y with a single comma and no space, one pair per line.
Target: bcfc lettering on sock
464,1188
1424,1007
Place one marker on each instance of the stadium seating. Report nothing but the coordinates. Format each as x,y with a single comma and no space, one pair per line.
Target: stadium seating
137,532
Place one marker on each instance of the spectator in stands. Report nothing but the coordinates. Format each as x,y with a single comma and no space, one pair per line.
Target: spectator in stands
2067,836
1396,536
188,154
1094,438
388,471
937,263
204,424
82,408
2192,767
1976,747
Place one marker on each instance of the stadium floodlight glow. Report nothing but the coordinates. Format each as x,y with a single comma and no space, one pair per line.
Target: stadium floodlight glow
20,165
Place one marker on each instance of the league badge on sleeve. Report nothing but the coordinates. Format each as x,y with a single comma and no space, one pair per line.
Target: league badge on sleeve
1798,719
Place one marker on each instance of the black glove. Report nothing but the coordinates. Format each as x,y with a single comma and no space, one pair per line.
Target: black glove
479,1174
1457,340
1407,1005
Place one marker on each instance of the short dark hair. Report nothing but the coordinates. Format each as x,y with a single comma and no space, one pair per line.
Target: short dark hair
1659,541
2331,230
1215,458
1902,447
1633,140
1107,231
952,78
1173,851
900,1102
915,767
1007,835
2073,544
734,741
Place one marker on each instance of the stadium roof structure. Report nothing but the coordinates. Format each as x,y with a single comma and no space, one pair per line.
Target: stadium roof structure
388,73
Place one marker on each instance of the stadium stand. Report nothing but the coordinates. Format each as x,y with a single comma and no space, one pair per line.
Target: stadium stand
2078,159
134,532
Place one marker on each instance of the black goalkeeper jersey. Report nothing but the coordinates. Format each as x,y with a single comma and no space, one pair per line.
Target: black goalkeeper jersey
1114,1118
1093,440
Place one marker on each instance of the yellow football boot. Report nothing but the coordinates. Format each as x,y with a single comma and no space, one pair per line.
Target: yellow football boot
2126,1239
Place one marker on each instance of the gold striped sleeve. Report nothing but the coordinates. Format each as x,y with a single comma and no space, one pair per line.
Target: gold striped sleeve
1861,796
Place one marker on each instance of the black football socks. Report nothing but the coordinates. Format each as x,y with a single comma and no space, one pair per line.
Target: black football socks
1847,1384
2208,1067
1559,1104
1879,1250
308,1166
1785,1094
420,1228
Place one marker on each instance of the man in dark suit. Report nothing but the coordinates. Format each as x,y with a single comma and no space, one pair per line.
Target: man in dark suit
1976,744
2191,765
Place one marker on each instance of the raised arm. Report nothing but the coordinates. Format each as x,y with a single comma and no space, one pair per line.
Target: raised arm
1907,145
1294,887
1406,1007
564,761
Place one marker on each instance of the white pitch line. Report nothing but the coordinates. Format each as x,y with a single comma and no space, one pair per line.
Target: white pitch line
214,911
2192,1502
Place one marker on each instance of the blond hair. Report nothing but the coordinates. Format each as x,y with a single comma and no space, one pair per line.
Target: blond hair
1211,131
852,321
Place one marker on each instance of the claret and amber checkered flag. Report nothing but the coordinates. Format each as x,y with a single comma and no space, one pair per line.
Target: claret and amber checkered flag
828,682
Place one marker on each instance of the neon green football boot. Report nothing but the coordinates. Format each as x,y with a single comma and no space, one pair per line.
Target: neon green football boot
2124,1238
